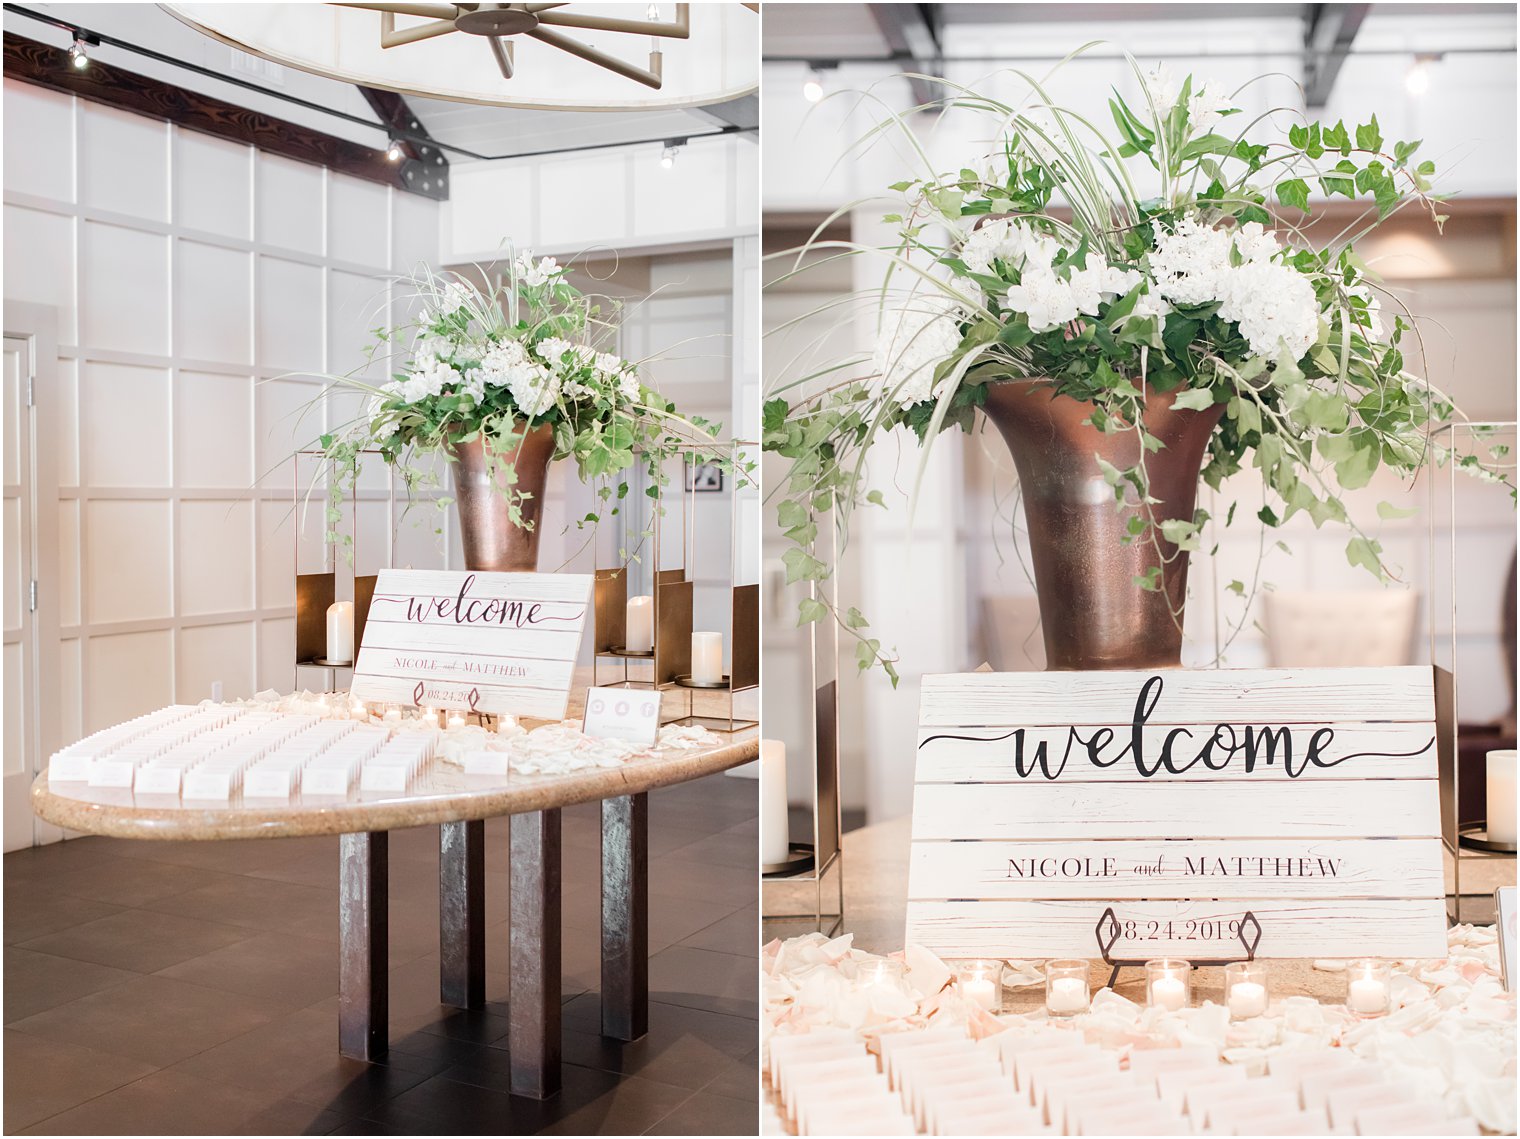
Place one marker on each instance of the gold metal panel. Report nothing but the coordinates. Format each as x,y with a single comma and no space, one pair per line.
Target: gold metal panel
672,629
364,595
609,603
663,577
744,670
314,593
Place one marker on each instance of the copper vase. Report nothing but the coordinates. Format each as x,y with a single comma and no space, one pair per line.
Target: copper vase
1093,614
491,540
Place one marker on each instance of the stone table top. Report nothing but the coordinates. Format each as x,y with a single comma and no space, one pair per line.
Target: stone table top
442,794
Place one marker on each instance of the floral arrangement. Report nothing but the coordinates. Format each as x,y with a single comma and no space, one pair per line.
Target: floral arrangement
481,362
1043,261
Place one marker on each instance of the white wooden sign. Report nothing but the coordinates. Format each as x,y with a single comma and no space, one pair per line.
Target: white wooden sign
1182,801
631,714
485,642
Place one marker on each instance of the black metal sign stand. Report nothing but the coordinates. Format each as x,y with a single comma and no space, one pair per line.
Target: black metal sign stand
1108,930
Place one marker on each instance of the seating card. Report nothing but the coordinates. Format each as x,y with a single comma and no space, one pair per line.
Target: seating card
630,714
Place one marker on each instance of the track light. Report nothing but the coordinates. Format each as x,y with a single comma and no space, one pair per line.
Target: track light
813,86
394,154
672,148
1417,81
653,12
77,54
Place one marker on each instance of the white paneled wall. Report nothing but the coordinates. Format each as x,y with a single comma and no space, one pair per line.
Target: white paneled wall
201,286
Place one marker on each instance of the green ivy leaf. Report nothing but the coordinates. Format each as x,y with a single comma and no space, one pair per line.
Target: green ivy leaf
1365,552
1294,192
1388,512
810,609
1194,399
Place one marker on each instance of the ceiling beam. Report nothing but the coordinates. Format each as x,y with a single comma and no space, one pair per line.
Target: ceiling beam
1329,31
425,168
742,114
40,64
912,35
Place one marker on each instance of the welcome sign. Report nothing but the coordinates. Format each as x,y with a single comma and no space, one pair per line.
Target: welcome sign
504,643
1182,801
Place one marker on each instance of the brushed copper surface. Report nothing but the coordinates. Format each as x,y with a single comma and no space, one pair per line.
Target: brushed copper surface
491,540
1092,613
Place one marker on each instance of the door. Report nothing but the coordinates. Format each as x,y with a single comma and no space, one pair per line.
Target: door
30,730
20,603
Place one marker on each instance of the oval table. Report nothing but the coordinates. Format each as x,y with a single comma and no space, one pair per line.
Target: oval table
459,804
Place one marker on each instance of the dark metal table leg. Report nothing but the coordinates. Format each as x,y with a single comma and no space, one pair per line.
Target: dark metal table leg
625,917
462,913
363,1002
533,1041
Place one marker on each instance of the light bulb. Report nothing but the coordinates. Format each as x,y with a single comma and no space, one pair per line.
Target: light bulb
77,55
1417,81
394,153
653,13
812,89
668,157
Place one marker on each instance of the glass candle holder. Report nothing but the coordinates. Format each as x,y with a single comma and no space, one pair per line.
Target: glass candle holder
883,971
1368,984
981,983
1245,989
1066,988
1168,983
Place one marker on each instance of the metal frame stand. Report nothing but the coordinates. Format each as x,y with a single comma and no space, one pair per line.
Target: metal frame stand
1247,922
364,954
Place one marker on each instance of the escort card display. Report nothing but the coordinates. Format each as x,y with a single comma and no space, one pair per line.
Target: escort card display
1181,801
503,643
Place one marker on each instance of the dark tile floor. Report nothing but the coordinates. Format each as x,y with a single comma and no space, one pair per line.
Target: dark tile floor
192,988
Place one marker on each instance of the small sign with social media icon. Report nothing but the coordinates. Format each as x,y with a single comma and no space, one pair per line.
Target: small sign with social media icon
623,714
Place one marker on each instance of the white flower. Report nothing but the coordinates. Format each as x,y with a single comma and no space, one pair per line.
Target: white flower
1205,105
453,298
429,376
1188,264
1162,88
534,388
1274,306
1012,242
1149,304
629,387
1047,300
913,342
609,364
473,384
1254,243
530,274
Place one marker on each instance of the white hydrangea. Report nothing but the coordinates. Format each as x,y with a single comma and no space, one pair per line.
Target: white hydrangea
534,388
913,342
1274,305
1149,304
1205,107
1188,263
429,376
473,384
1255,243
537,274
1048,300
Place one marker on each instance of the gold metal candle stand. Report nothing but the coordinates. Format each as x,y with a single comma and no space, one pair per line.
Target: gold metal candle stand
812,862
1465,840
670,655
744,600
315,592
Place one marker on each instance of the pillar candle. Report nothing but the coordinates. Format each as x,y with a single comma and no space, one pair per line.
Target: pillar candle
1067,995
340,632
1501,796
775,830
1168,993
707,658
1247,999
640,619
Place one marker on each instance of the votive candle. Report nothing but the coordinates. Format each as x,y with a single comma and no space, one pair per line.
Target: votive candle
1245,989
707,658
457,720
1367,987
882,971
1501,797
640,624
340,632
430,717
1166,983
979,982
1066,988
392,714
